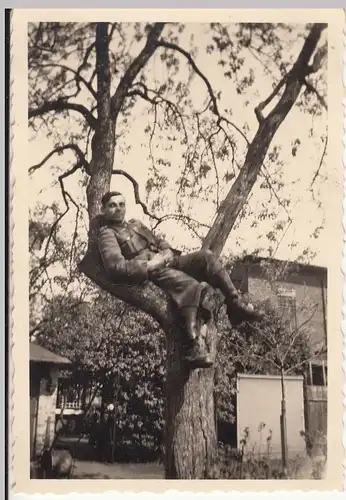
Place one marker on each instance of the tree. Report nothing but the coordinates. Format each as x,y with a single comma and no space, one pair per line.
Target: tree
118,352
121,79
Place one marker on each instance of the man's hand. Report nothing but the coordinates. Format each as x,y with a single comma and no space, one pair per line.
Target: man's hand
168,255
156,263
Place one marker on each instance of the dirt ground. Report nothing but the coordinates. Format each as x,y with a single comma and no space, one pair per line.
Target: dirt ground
85,466
97,470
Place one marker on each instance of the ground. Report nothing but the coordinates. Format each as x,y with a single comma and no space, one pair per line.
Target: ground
85,467
97,470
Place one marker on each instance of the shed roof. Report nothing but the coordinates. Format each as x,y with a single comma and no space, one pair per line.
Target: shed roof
42,355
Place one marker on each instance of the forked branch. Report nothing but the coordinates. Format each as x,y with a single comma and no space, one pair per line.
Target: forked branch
135,67
82,162
66,197
62,105
212,104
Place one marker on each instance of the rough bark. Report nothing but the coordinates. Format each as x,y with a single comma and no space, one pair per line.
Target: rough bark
103,143
190,438
108,108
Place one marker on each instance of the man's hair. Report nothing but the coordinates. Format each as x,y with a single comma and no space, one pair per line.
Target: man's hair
107,196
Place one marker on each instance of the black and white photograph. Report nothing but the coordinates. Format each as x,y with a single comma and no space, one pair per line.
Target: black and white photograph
184,235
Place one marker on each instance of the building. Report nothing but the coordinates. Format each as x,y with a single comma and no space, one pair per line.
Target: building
299,287
302,290
44,373
72,402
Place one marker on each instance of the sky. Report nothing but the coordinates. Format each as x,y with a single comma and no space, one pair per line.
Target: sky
306,213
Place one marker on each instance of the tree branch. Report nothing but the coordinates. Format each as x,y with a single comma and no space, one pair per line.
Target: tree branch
78,77
310,88
84,63
136,192
103,72
82,162
323,350
257,150
300,69
185,219
66,196
321,162
173,46
157,99
61,105
296,332
135,67
214,108
259,109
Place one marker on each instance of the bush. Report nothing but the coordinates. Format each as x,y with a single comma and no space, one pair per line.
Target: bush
232,463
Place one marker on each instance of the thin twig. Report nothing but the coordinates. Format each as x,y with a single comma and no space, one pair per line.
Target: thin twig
136,192
310,88
214,108
78,77
321,162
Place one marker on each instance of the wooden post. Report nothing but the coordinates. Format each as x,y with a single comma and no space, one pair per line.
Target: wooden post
324,374
310,373
283,426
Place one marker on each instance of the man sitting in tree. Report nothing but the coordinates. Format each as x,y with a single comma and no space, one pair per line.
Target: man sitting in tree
131,253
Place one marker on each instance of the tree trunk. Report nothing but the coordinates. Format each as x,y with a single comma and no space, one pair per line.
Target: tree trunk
103,142
190,418
190,436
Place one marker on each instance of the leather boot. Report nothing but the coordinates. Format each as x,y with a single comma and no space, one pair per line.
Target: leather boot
220,278
207,303
239,312
196,357
189,314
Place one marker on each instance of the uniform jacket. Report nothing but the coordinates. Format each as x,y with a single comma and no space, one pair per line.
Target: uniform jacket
125,253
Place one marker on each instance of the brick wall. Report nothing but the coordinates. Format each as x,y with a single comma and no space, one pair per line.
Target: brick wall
308,283
309,304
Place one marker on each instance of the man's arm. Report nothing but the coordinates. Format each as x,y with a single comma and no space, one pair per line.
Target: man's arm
114,262
164,247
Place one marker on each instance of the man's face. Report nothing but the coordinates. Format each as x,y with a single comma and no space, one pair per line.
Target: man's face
115,209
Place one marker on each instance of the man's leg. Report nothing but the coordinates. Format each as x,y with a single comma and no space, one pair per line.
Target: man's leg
203,265
186,293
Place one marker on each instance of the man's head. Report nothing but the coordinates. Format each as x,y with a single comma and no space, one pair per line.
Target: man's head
113,206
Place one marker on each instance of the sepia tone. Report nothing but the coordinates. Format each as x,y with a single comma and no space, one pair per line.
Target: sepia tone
237,191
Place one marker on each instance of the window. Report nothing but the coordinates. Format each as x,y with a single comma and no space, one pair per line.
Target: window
69,395
288,305
318,374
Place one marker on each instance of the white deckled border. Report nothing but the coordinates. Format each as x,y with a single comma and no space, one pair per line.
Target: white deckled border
16,186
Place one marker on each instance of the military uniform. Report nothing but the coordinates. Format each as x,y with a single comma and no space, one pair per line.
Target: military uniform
126,248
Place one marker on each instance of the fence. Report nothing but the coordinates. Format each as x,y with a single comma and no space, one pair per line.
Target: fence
316,410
